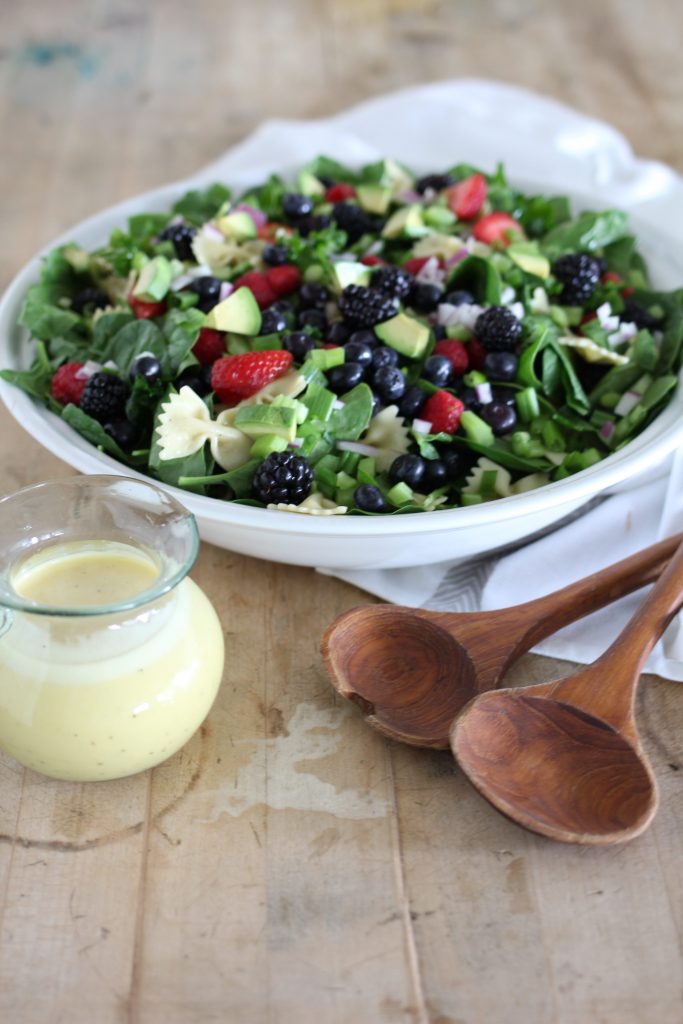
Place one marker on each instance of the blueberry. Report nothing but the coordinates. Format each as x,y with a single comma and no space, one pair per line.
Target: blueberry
505,395
313,295
468,397
384,356
295,205
282,306
500,417
389,383
438,370
376,405
500,365
272,322
455,462
123,432
411,404
147,366
338,332
459,297
91,298
366,336
313,222
435,475
344,377
194,378
208,289
407,469
299,344
358,352
180,236
275,255
369,499
312,318
424,297
436,182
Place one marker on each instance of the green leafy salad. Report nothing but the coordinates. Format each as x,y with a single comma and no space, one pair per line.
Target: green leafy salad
356,341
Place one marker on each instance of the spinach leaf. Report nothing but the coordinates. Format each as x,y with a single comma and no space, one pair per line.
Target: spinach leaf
268,197
198,206
586,233
672,339
36,380
131,341
94,432
180,330
349,422
327,167
479,277
46,321
142,227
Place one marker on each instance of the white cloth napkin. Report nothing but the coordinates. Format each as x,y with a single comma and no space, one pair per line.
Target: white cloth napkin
612,529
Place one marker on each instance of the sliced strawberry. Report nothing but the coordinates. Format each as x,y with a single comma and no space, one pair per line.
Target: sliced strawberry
466,198
498,229
146,310
66,386
455,352
258,284
284,279
415,265
443,410
476,353
243,375
209,346
371,261
338,193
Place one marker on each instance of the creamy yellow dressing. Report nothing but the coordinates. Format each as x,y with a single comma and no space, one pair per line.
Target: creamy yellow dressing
102,696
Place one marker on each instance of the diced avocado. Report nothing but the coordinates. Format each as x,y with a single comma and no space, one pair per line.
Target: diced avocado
407,222
257,420
77,257
348,272
154,280
527,256
238,225
439,217
374,198
405,334
238,313
396,177
267,443
309,185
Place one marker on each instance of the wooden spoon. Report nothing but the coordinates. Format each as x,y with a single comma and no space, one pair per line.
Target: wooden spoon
411,671
564,759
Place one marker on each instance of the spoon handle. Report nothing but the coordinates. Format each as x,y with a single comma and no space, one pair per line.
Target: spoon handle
619,668
545,615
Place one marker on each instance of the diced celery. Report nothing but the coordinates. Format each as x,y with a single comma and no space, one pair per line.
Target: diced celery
326,479
320,402
266,444
344,481
459,331
476,429
473,378
471,499
266,342
366,472
326,358
349,462
553,437
400,494
527,404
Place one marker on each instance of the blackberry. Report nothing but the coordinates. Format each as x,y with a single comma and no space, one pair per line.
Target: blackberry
498,329
180,236
296,205
123,432
275,255
313,295
314,222
365,307
578,273
636,313
91,298
208,289
104,397
393,281
283,477
437,182
351,219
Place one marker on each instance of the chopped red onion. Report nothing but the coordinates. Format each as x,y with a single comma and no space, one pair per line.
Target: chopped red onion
296,443
88,369
409,195
628,401
226,289
358,447
337,404
258,216
210,230
422,426
461,254
483,393
606,430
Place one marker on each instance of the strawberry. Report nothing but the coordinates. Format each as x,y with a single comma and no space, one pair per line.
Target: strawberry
466,198
284,279
258,284
338,193
415,265
146,310
243,375
443,410
476,353
209,346
455,352
371,261
66,386
498,229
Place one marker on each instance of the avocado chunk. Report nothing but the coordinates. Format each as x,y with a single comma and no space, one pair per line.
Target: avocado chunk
529,259
396,177
346,272
154,281
374,198
405,334
407,222
238,225
309,185
258,420
238,313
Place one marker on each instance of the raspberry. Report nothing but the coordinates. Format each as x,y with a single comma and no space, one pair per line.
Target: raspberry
476,353
104,397
365,307
243,375
371,261
258,284
283,477
498,329
443,410
284,279
579,274
338,193
66,385
455,352
209,346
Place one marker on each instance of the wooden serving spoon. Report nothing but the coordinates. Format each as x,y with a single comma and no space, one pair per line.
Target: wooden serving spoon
564,759
411,671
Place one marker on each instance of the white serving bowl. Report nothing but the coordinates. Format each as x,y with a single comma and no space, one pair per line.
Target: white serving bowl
356,542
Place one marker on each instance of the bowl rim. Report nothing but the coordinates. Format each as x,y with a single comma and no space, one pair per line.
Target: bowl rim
634,459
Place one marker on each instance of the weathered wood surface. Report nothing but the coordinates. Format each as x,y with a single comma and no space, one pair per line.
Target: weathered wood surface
291,864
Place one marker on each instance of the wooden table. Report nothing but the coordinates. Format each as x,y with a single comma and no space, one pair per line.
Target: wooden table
289,864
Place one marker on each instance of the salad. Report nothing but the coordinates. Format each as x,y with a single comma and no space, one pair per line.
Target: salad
356,341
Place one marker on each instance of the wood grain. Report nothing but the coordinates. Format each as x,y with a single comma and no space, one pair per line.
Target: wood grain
291,864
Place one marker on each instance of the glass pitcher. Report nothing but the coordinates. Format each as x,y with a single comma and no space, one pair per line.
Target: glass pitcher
110,655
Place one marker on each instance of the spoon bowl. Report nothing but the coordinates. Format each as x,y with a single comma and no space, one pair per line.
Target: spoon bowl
411,671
